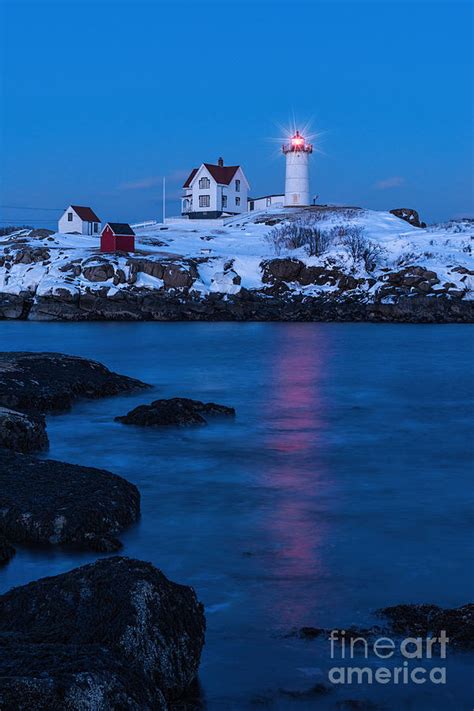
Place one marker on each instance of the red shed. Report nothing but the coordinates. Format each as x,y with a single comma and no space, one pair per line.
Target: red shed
117,237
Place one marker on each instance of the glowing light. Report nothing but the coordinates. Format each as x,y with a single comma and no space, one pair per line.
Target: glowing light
297,140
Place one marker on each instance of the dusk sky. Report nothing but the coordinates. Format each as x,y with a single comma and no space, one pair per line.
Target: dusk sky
99,100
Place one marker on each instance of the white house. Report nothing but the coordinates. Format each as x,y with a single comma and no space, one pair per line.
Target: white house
213,190
266,201
79,219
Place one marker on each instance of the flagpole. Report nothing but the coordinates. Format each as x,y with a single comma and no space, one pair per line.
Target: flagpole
164,199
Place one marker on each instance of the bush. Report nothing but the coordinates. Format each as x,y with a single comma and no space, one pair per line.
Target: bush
296,234
361,249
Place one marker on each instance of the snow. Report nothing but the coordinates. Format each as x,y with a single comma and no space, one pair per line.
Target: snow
238,247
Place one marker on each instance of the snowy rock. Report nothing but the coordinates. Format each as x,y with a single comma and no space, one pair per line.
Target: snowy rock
175,411
409,215
113,634
21,432
227,282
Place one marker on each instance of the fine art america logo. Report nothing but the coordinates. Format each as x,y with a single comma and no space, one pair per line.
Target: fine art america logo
412,670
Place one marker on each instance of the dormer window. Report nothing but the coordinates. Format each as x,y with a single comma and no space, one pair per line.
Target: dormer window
204,183
237,186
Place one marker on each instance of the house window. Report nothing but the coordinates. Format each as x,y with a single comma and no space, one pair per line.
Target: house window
251,205
224,201
237,186
204,200
237,201
96,227
69,216
204,183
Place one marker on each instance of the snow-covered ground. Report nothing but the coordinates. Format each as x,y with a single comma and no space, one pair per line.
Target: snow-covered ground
59,263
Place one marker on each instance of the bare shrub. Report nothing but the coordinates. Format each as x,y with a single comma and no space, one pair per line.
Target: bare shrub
361,249
406,259
297,235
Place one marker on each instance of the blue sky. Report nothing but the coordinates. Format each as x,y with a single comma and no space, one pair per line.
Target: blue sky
100,99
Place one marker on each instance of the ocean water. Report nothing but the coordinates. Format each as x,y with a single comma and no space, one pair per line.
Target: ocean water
343,484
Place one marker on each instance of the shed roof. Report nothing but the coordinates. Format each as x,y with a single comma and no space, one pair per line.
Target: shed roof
120,228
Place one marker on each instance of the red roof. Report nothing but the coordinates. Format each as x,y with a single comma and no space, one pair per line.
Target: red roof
85,213
190,177
222,174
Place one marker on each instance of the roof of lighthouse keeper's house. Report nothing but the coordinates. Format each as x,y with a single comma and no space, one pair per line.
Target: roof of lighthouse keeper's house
222,174
85,213
120,229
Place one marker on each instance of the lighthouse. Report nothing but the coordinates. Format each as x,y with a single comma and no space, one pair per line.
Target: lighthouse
297,153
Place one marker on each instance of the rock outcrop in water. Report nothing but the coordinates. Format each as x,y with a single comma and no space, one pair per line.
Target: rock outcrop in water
6,549
22,432
50,502
44,382
429,620
175,411
116,634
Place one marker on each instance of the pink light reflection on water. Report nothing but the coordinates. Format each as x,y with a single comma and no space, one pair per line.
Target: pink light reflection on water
294,467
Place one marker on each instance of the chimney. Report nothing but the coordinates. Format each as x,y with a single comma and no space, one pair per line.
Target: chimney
220,162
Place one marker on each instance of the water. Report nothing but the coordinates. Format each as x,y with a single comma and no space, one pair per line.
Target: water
343,485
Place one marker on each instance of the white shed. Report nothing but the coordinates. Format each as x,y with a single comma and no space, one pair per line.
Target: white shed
261,203
79,219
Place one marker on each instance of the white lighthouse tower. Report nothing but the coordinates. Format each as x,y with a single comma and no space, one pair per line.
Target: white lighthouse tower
297,152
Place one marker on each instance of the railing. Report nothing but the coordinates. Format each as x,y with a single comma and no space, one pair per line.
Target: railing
139,225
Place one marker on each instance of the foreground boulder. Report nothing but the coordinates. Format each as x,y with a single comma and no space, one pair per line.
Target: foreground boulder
45,501
429,620
175,411
43,382
116,634
21,432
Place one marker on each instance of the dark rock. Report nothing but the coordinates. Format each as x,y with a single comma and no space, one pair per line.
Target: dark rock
30,255
176,277
6,550
281,270
51,381
463,270
22,432
45,501
41,232
116,634
424,620
318,275
409,215
319,689
356,705
99,272
131,304
310,632
175,411
147,266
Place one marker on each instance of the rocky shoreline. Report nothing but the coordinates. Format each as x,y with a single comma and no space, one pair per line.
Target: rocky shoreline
113,634
143,305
